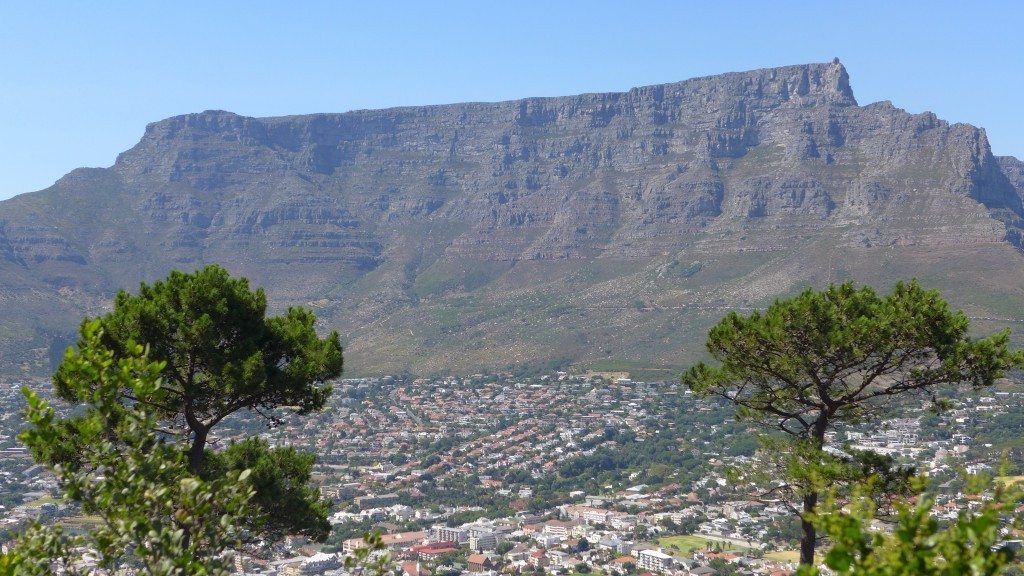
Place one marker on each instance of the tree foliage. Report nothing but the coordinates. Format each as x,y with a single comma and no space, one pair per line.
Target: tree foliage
221,355
284,499
839,355
919,545
153,513
809,469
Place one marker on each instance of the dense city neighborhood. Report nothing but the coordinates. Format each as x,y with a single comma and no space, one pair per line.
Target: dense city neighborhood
558,474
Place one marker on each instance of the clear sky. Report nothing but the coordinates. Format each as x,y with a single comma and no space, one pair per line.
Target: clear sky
80,80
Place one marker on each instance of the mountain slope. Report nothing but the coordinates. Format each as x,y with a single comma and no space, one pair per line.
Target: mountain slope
593,228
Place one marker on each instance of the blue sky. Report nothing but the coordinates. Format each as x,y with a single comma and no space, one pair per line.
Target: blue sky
80,80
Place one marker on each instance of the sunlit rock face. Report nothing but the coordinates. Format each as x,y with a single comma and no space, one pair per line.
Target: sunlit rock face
545,231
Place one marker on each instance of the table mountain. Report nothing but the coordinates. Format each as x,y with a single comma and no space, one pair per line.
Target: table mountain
599,229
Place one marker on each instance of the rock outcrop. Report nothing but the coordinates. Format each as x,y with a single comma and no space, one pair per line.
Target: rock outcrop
600,227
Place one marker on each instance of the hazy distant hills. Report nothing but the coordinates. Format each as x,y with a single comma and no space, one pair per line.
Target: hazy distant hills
597,229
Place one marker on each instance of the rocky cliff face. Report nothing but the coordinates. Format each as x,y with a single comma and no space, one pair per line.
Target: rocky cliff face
593,229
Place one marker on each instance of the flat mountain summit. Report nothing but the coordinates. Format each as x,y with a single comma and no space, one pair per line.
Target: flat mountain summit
600,230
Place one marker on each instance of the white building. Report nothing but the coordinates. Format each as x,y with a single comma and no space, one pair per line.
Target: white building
441,533
481,541
320,563
654,561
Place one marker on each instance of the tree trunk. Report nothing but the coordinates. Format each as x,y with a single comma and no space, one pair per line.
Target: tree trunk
196,451
807,539
195,464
